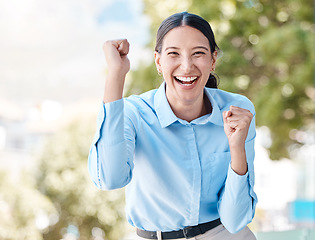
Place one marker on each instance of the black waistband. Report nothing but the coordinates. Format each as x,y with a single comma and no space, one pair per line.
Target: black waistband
187,232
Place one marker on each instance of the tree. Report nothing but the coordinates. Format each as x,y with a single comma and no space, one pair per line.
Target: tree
21,207
82,209
267,54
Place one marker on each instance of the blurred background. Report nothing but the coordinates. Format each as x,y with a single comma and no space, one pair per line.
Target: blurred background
52,73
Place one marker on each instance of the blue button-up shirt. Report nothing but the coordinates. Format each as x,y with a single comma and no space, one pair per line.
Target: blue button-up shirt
177,173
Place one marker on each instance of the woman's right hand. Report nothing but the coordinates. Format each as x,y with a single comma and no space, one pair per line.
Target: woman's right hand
115,52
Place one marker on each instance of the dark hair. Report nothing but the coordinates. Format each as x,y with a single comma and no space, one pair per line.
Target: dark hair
192,20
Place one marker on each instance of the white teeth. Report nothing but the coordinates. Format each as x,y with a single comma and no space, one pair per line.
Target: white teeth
186,79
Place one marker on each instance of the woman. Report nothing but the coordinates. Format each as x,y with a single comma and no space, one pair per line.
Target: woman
185,151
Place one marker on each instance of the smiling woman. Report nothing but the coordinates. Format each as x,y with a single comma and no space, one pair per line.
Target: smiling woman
186,66
185,151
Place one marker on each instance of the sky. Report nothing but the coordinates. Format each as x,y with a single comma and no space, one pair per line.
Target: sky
53,49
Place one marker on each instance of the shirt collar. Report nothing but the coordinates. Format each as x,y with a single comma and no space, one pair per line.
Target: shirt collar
162,108
167,117
216,115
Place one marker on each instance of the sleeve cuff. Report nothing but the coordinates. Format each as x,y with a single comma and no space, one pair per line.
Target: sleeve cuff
237,183
107,110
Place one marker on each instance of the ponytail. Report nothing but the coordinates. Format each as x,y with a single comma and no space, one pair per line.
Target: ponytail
212,81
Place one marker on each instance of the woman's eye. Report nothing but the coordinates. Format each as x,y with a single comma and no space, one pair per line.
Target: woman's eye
199,53
172,53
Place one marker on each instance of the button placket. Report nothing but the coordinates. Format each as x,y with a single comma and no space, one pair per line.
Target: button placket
196,168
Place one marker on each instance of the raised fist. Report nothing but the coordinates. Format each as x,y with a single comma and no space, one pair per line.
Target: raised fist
115,52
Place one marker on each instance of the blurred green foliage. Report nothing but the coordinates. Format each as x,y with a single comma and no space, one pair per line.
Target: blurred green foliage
82,209
267,54
20,206
58,200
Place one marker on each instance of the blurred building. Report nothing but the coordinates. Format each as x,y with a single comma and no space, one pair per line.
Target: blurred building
22,133
285,188
302,209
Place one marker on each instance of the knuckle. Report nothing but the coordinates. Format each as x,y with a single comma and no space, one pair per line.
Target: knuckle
107,43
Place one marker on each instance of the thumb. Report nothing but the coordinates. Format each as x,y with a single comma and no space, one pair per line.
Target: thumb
226,114
123,47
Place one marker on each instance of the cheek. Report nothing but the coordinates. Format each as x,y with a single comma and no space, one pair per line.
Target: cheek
168,65
205,61
205,66
205,69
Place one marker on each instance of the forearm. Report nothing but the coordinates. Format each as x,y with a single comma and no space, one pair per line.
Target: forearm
114,170
235,205
114,86
110,159
238,159
238,199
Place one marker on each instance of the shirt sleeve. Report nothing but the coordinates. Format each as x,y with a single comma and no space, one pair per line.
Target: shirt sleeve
110,161
238,200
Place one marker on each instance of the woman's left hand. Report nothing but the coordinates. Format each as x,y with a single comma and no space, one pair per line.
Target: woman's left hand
236,125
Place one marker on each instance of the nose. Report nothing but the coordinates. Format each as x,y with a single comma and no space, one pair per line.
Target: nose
186,64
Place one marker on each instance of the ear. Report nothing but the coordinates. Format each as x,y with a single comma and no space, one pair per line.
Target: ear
214,59
157,58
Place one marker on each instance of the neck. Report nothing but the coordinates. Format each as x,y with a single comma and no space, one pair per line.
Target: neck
191,111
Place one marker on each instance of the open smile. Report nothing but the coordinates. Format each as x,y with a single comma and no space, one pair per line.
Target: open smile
186,81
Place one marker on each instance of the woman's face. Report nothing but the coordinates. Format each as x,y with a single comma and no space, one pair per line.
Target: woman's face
186,63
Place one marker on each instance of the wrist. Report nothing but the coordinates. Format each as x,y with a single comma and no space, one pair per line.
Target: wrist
114,86
116,76
238,160
236,146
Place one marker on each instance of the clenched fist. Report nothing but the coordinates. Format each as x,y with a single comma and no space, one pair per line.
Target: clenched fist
115,52
236,124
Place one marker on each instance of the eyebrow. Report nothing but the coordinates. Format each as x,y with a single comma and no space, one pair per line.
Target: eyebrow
205,48
171,48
